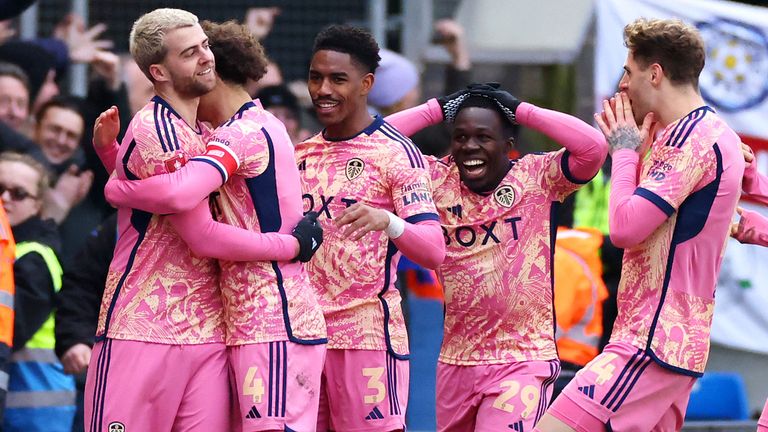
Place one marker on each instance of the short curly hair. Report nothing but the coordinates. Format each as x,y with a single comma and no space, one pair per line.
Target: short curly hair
239,55
675,45
355,41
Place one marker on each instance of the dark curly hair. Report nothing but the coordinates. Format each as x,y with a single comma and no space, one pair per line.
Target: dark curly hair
239,55
356,42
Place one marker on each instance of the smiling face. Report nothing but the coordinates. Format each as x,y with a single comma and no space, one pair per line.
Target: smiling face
188,64
338,87
58,133
479,148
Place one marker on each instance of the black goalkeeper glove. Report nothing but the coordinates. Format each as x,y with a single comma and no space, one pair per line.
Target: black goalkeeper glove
309,233
450,104
503,98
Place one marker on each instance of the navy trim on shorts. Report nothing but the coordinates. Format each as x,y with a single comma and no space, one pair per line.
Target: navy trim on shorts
278,378
626,380
100,386
554,372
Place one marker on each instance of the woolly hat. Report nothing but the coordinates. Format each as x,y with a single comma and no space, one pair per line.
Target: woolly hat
279,95
35,60
395,77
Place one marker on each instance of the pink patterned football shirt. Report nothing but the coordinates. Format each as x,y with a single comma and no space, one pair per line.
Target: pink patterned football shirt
497,274
355,279
264,301
157,290
667,291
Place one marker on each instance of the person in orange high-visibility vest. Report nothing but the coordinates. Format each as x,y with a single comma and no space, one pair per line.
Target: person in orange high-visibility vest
579,296
7,256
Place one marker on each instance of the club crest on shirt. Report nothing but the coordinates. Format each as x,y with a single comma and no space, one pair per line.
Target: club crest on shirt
505,195
116,427
354,168
175,162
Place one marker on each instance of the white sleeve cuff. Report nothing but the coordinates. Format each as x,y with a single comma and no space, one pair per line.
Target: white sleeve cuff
396,226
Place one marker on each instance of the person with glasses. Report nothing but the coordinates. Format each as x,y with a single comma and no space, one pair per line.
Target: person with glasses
37,276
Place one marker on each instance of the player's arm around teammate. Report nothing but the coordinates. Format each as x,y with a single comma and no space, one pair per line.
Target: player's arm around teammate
190,214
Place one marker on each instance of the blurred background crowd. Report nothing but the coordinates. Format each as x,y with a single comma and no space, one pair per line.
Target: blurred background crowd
62,62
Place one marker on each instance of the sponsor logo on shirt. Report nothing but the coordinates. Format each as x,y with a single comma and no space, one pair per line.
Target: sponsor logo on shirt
505,196
483,234
175,162
116,427
354,168
659,170
323,205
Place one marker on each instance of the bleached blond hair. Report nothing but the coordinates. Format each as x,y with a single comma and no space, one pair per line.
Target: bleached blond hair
147,40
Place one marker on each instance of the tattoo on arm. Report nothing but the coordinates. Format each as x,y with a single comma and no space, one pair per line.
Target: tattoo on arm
624,137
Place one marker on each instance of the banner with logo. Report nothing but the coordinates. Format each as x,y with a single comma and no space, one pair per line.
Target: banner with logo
735,83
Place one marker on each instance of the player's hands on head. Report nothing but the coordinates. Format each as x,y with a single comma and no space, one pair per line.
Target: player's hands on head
309,233
360,219
106,127
451,103
617,122
504,99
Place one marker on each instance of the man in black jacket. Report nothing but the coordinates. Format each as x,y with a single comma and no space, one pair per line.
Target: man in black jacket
78,305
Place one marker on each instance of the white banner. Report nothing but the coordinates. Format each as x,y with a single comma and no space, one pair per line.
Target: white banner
735,83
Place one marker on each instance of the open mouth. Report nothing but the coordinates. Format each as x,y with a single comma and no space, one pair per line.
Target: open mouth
326,106
474,167
205,72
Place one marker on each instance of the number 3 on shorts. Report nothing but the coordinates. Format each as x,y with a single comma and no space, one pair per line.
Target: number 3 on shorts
253,385
529,396
374,383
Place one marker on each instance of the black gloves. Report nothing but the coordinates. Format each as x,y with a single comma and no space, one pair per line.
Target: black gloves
450,104
309,233
503,98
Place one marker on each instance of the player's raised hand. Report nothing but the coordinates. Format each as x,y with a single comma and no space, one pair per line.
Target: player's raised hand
360,219
106,127
309,233
617,122
749,156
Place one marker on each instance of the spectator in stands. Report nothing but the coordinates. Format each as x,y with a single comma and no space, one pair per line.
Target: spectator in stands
39,65
40,395
14,111
14,95
58,129
281,102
